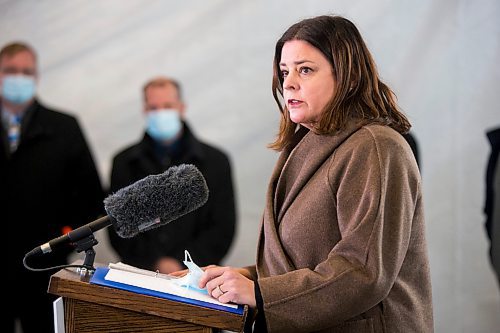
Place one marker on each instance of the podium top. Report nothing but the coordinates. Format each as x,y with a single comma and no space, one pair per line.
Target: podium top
158,287
68,283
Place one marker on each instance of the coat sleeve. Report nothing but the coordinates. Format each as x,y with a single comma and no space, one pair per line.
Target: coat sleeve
375,186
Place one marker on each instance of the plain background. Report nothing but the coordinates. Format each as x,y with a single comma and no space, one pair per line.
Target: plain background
440,57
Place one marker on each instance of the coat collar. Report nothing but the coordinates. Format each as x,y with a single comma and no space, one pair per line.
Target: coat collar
294,168
298,164
32,127
192,147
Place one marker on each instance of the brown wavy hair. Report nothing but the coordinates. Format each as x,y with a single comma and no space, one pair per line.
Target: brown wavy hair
359,92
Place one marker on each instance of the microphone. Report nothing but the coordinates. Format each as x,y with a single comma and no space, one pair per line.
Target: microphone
144,205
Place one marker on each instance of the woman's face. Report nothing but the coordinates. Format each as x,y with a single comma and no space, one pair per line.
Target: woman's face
308,82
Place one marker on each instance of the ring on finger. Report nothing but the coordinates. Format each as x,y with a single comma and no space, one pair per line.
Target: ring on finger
221,291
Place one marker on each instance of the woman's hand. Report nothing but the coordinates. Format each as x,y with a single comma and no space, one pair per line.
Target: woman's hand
228,284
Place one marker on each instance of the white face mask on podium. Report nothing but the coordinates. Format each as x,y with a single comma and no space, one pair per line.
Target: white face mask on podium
192,278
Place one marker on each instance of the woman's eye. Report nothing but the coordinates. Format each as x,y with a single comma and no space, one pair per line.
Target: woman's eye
305,70
284,74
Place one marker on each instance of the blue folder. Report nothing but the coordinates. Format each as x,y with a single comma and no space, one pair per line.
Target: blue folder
100,273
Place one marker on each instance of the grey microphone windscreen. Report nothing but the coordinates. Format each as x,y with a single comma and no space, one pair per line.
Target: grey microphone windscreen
156,200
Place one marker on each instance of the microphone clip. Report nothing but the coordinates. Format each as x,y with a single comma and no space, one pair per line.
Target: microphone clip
86,244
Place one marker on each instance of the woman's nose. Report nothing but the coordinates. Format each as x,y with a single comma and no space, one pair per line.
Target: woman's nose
290,82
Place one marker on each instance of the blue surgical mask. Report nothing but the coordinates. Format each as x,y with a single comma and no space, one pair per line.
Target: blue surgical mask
163,124
18,89
192,278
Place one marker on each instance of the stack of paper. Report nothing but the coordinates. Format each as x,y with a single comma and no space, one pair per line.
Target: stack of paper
150,283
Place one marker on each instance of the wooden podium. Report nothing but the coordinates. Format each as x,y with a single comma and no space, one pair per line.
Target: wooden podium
94,308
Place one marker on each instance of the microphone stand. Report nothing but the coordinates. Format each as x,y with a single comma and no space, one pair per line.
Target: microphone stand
86,244
81,238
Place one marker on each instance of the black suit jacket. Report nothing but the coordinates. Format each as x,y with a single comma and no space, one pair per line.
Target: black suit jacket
494,139
207,232
49,182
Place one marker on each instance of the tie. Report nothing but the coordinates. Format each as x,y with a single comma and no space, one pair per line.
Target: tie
14,132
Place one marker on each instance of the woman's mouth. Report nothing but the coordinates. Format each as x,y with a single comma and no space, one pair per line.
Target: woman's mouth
293,103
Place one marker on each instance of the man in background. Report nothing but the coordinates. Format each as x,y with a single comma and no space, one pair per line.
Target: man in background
48,184
207,232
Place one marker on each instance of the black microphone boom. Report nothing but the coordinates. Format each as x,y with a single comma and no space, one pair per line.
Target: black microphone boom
146,204
72,236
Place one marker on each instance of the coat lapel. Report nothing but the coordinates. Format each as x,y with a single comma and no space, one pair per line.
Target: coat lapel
268,235
294,168
303,162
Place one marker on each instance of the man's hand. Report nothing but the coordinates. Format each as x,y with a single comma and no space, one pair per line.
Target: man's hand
167,265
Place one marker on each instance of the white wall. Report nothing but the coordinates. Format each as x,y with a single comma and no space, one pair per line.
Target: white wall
441,58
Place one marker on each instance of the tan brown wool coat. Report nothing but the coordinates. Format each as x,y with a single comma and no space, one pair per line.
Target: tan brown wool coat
342,246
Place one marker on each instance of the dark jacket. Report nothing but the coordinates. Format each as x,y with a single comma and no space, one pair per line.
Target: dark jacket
492,199
49,182
207,232
410,138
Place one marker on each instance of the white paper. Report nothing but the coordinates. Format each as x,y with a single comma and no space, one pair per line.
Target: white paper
128,268
58,306
160,284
